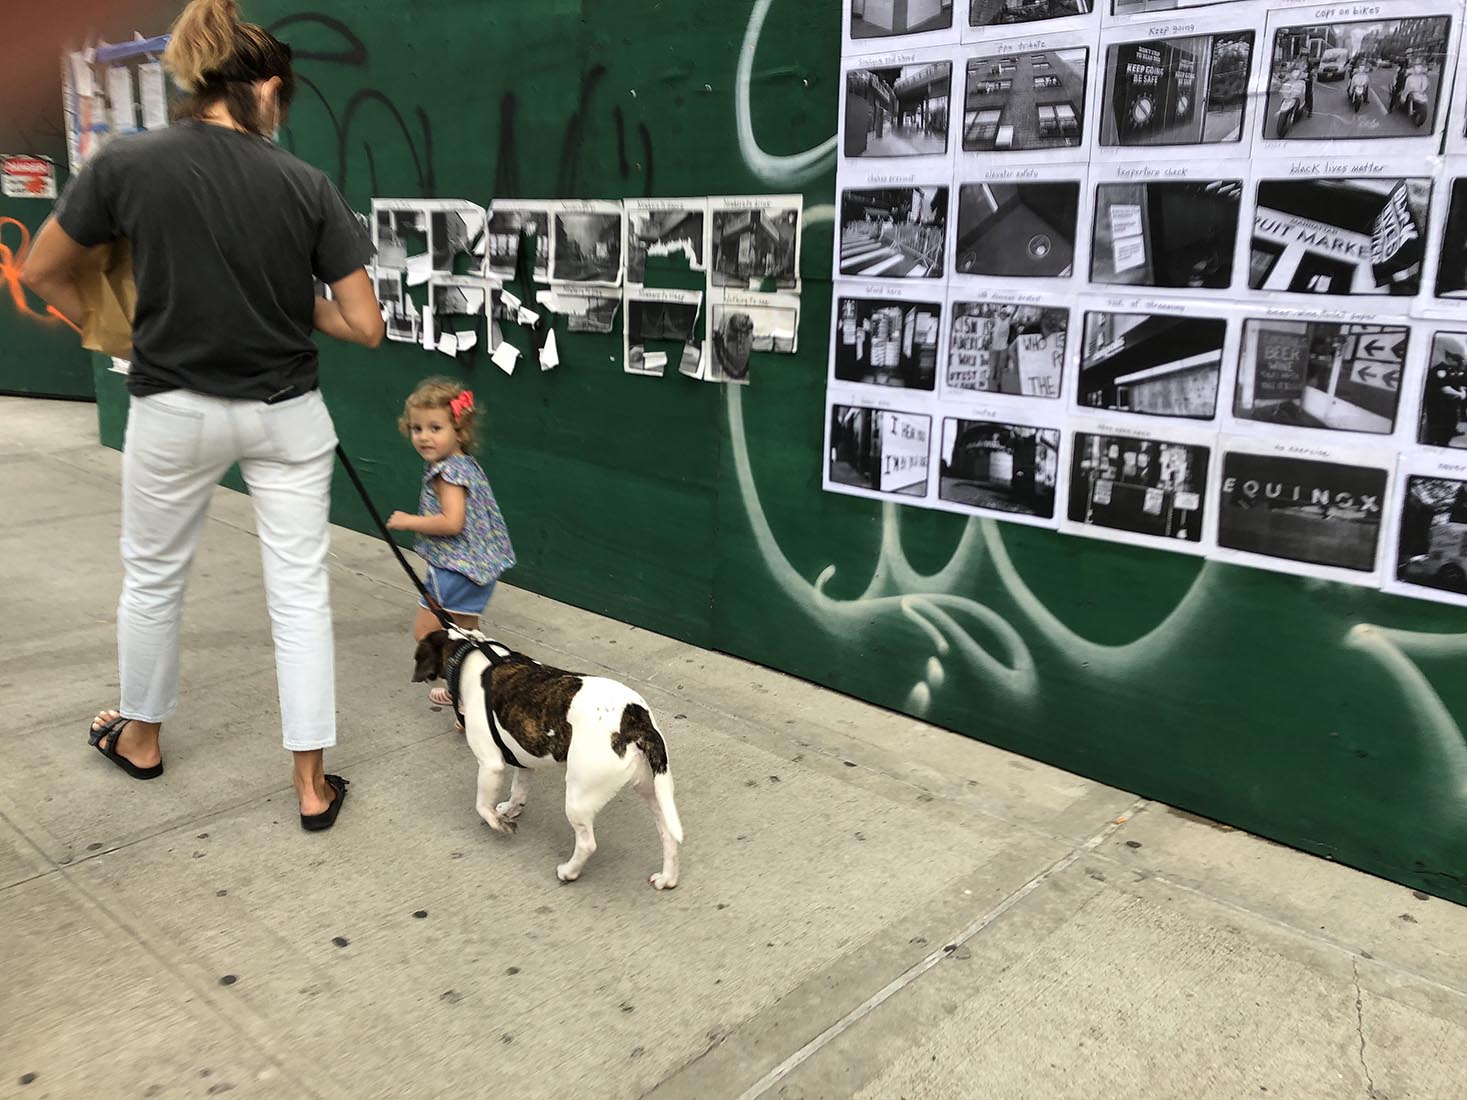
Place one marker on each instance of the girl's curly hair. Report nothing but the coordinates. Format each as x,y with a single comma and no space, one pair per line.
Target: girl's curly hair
439,393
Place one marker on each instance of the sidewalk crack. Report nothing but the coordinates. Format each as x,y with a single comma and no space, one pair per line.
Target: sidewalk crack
1360,1030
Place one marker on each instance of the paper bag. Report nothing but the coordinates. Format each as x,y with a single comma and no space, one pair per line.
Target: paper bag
109,297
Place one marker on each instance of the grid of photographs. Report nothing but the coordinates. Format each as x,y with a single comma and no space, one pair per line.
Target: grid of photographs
1186,274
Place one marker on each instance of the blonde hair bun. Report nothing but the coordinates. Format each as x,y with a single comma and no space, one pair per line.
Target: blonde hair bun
202,41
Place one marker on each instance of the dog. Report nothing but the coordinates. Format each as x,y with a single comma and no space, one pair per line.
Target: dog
520,714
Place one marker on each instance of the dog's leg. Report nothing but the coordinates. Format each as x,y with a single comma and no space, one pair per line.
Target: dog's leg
581,808
666,879
519,794
491,776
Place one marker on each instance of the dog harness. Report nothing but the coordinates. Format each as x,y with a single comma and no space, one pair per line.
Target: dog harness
454,671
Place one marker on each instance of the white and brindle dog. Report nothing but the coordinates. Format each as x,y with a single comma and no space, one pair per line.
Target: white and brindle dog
523,715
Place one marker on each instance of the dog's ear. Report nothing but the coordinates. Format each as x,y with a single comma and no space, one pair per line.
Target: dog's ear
428,658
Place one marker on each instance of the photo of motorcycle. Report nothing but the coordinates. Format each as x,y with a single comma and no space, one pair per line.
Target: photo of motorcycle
1292,104
1413,95
1359,88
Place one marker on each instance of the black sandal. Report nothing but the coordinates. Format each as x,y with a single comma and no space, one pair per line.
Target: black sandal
315,823
113,729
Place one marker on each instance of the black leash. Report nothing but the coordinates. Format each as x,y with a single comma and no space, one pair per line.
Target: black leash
433,605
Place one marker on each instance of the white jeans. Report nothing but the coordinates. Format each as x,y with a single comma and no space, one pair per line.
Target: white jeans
179,444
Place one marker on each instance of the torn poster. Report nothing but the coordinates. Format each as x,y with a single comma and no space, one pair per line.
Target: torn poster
775,318
694,361
754,242
664,227
664,315
549,356
587,309
398,310
451,296
510,225
504,357
585,243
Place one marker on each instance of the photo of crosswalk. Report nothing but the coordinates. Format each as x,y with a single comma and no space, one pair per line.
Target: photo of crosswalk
894,234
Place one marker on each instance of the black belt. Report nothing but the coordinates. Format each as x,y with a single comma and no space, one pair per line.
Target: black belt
454,671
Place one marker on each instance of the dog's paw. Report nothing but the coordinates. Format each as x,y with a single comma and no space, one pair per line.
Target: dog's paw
499,824
509,810
566,873
660,881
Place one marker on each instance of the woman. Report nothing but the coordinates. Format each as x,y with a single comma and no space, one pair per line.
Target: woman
228,234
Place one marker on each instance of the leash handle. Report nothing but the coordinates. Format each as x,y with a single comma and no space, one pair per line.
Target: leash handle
433,605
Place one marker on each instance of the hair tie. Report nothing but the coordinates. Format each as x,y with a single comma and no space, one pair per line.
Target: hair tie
461,404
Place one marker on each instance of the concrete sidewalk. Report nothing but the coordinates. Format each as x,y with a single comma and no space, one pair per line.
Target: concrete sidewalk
869,907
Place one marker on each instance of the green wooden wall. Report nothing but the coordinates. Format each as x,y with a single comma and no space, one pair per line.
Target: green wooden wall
1322,716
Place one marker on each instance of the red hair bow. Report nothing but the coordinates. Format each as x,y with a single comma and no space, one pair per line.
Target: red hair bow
461,404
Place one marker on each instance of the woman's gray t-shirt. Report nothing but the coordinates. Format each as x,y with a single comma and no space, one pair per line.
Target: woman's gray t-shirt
229,233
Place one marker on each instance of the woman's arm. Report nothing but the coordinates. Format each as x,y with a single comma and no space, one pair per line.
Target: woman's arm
50,270
454,501
352,313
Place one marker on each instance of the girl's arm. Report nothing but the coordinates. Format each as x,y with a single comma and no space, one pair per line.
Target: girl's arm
454,501
50,269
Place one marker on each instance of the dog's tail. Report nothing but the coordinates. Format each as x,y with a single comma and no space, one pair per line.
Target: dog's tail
638,729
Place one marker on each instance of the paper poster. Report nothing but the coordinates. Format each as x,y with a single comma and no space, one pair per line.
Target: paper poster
673,228
877,452
873,25
754,242
516,226
1025,100
991,463
985,19
1140,485
27,177
1425,542
586,243
893,232
662,315
1021,227
897,109
883,337
1304,507
1152,359
1005,346
121,100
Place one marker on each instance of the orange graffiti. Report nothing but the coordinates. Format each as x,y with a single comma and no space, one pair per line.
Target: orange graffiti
10,264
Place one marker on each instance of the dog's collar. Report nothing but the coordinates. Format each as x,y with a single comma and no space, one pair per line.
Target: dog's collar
453,672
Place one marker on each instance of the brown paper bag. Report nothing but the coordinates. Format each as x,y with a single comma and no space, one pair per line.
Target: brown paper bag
109,297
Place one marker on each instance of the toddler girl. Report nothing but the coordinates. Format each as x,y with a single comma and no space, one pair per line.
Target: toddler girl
461,533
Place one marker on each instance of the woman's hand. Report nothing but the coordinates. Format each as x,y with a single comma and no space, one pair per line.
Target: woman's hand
402,521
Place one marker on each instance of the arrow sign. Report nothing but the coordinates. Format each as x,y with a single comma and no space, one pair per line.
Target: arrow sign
1384,347
1376,376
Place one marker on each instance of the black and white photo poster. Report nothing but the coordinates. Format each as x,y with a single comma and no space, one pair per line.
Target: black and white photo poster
1013,225
1138,487
897,106
1333,76
671,228
875,451
754,242
1151,359
1185,91
1446,281
1031,102
1339,235
1317,516
1443,417
988,465
515,226
1004,18
1426,539
881,338
1300,373
1174,234
893,232
891,24
586,243
998,345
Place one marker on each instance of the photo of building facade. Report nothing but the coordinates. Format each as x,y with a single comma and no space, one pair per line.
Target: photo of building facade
1025,101
1153,364
1146,487
1002,467
1297,509
1313,374
898,112
1176,91
887,343
753,245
